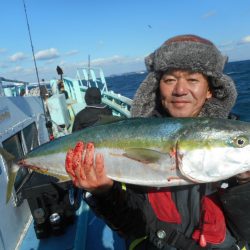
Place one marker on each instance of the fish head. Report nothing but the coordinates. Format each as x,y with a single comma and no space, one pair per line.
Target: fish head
214,150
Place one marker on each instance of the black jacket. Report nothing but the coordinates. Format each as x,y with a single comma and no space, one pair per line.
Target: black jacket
89,116
130,213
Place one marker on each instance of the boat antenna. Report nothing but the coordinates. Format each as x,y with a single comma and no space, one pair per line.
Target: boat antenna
33,53
89,70
31,43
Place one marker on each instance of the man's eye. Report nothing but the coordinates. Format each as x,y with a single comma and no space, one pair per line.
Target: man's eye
169,80
193,80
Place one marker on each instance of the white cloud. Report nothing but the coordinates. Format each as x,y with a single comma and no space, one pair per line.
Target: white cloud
103,61
20,73
226,44
3,65
229,48
50,61
112,65
47,54
16,69
244,40
115,60
19,56
72,52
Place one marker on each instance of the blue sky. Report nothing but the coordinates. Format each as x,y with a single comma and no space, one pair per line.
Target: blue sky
116,34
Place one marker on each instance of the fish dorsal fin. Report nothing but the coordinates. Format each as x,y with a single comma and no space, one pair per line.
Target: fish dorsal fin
106,119
143,155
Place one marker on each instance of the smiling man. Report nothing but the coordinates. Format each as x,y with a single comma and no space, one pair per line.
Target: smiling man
185,79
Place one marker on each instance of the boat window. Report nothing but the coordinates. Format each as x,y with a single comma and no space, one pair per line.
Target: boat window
30,135
20,144
14,147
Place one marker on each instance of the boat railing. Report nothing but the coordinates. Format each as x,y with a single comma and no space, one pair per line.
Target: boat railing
10,87
120,104
92,77
89,77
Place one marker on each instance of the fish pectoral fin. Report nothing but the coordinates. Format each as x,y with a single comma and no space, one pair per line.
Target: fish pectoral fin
143,155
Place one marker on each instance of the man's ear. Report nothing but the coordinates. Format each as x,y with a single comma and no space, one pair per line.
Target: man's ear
209,94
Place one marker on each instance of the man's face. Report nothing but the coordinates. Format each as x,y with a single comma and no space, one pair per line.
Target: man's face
184,93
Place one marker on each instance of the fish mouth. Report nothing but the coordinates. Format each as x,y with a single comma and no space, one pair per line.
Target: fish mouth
23,163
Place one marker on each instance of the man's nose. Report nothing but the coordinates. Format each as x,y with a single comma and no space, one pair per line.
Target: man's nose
180,87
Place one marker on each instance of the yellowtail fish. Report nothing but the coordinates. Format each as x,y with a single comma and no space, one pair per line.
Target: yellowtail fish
155,152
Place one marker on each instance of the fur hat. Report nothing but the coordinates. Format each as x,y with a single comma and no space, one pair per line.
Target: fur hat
187,52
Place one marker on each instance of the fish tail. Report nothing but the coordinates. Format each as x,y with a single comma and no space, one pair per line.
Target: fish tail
6,155
12,171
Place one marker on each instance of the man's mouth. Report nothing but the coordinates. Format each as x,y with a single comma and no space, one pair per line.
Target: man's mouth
180,103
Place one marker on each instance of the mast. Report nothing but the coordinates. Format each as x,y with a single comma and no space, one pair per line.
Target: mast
88,71
34,59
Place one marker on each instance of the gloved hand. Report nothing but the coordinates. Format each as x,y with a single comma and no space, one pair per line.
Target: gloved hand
243,177
87,170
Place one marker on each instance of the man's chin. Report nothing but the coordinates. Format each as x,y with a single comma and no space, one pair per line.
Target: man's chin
181,113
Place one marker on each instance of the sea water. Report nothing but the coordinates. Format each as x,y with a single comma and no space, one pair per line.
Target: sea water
240,73
127,85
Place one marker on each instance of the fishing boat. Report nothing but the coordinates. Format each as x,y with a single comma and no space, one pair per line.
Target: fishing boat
63,112
44,213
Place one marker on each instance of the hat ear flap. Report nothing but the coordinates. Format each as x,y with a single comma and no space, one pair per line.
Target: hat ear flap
149,62
223,99
144,101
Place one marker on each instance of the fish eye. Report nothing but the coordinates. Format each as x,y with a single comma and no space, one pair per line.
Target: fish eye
240,141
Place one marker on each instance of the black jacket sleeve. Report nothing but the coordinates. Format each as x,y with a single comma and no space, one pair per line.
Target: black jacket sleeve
121,210
76,125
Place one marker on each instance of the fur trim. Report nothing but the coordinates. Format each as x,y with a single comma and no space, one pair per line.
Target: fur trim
144,102
224,97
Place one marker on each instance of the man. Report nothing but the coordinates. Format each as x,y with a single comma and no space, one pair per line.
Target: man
185,80
63,91
91,114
